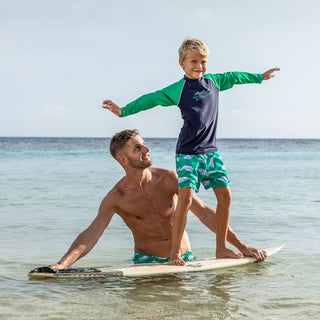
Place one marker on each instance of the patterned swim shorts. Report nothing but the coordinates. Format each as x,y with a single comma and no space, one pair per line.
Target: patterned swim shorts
146,258
207,169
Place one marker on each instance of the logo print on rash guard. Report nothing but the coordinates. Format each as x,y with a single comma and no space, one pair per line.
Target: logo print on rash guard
202,94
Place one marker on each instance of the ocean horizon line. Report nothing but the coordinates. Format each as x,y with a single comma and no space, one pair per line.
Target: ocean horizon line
145,137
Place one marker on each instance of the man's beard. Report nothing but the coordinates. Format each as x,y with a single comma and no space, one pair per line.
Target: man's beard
137,164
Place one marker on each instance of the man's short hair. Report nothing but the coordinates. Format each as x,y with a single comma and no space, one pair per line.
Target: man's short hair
194,45
120,139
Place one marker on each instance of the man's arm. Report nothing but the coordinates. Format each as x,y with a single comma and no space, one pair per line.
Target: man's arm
208,217
89,237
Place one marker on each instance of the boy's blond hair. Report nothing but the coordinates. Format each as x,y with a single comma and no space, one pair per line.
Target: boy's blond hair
195,45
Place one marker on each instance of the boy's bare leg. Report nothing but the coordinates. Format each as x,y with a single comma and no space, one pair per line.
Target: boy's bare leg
179,224
222,220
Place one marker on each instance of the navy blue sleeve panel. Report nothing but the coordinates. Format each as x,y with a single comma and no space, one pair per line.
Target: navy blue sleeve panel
227,80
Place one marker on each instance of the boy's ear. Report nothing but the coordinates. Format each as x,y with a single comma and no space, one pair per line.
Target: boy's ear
181,64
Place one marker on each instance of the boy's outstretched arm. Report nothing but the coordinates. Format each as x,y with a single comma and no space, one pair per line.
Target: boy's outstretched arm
270,73
114,108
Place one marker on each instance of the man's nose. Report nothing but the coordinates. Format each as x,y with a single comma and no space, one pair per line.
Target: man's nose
145,149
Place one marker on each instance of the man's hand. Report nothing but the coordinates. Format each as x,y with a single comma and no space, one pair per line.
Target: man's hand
115,109
256,253
270,73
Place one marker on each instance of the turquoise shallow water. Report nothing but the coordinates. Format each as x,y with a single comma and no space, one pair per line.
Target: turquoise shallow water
50,190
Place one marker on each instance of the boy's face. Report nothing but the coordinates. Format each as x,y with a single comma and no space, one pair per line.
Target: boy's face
194,65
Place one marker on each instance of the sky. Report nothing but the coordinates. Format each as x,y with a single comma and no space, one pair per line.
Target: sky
60,59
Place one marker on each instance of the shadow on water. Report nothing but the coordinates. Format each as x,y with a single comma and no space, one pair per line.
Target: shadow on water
181,296
205,295
180,287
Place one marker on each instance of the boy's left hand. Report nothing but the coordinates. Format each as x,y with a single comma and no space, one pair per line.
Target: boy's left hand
270,73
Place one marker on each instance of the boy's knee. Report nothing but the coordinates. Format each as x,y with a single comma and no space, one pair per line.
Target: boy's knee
228,195
224,196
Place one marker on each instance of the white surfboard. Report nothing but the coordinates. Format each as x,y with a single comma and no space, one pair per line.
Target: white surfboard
145,270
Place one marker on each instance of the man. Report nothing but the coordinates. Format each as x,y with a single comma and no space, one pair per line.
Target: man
145,198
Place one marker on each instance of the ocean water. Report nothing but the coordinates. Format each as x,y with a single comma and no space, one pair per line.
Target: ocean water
50,190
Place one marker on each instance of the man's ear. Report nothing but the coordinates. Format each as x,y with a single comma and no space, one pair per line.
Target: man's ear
123,160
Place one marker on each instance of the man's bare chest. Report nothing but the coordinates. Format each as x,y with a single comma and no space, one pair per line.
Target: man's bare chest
146,205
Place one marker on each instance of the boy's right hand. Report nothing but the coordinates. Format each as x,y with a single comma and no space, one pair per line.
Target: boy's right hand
115,109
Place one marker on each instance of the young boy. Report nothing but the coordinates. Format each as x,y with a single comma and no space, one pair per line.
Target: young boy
197,157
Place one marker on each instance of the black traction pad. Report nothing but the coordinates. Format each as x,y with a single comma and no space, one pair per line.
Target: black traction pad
64,271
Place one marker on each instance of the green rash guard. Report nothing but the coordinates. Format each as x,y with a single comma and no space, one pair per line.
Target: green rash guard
198,101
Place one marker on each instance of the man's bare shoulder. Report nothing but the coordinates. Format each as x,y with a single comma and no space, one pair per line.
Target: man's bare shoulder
169,178
114,196
165,173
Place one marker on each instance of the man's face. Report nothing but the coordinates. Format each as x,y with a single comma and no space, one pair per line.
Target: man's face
194,65
137,153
